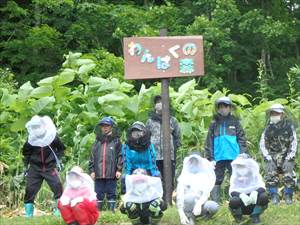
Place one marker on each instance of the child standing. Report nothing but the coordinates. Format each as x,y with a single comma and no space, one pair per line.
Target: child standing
225,141
106,162
42,152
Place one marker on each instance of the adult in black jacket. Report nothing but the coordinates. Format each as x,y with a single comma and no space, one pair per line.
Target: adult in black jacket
42,152
106,162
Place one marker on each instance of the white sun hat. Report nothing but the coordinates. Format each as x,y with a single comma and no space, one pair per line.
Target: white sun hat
277,108
41,131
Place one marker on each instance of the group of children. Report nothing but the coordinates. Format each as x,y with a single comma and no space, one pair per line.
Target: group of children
135,163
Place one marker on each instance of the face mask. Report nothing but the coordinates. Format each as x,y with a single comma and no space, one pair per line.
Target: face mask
224,111
158,107
275,119
75,183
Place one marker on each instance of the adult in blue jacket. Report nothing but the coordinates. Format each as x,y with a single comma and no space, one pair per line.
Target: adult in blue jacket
225,141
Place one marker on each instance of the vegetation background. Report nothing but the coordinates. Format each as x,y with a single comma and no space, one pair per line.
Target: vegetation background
63,58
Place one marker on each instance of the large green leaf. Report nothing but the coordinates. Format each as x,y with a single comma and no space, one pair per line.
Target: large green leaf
190,85
66,76
40,92
41,103
126,87
187,108
47,81
4,117
97,81
19,124
116,96
132,104
114,110
240,99
7,99
61,93
25,90
86,68
81,62
186,129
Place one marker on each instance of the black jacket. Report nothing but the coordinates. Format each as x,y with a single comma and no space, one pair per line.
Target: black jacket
42,158
106,156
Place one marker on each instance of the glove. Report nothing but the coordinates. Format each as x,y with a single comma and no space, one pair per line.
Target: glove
130,206
183,218
65,200
288,166
197,208
270,166
253,197
245,199
75,201
154,207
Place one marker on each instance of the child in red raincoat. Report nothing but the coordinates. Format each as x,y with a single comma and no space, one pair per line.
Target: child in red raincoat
78,203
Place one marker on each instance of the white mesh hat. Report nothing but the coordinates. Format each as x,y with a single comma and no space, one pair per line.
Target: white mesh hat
41,131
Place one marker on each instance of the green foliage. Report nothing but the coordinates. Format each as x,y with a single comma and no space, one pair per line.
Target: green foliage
237,34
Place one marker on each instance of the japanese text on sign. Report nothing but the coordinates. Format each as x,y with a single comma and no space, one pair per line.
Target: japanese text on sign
158,57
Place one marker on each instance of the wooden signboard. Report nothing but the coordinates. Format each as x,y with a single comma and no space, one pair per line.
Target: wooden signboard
163,57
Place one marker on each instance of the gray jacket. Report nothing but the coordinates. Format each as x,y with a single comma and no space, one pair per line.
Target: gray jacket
154,124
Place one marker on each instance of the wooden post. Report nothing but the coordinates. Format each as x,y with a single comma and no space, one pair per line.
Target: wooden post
167,179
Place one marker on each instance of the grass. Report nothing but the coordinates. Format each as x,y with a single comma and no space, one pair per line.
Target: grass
274,215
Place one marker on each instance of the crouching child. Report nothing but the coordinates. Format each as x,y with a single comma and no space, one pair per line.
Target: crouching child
195,183
143,202
78,203
247,190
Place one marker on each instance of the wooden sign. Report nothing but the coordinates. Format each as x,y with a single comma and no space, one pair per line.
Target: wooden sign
163,57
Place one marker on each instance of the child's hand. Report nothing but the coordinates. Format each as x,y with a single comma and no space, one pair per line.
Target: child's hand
93,175
65,200
76,200
118,174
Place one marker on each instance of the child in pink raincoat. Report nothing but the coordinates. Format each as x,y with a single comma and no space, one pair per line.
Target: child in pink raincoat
78,203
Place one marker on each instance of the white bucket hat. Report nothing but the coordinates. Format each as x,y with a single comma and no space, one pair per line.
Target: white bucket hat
41,130
277,108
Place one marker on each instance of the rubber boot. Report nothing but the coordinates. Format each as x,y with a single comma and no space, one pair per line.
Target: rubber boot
274,195
215,193
56,211
111,204
237,214
29,208
255,214
288,195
